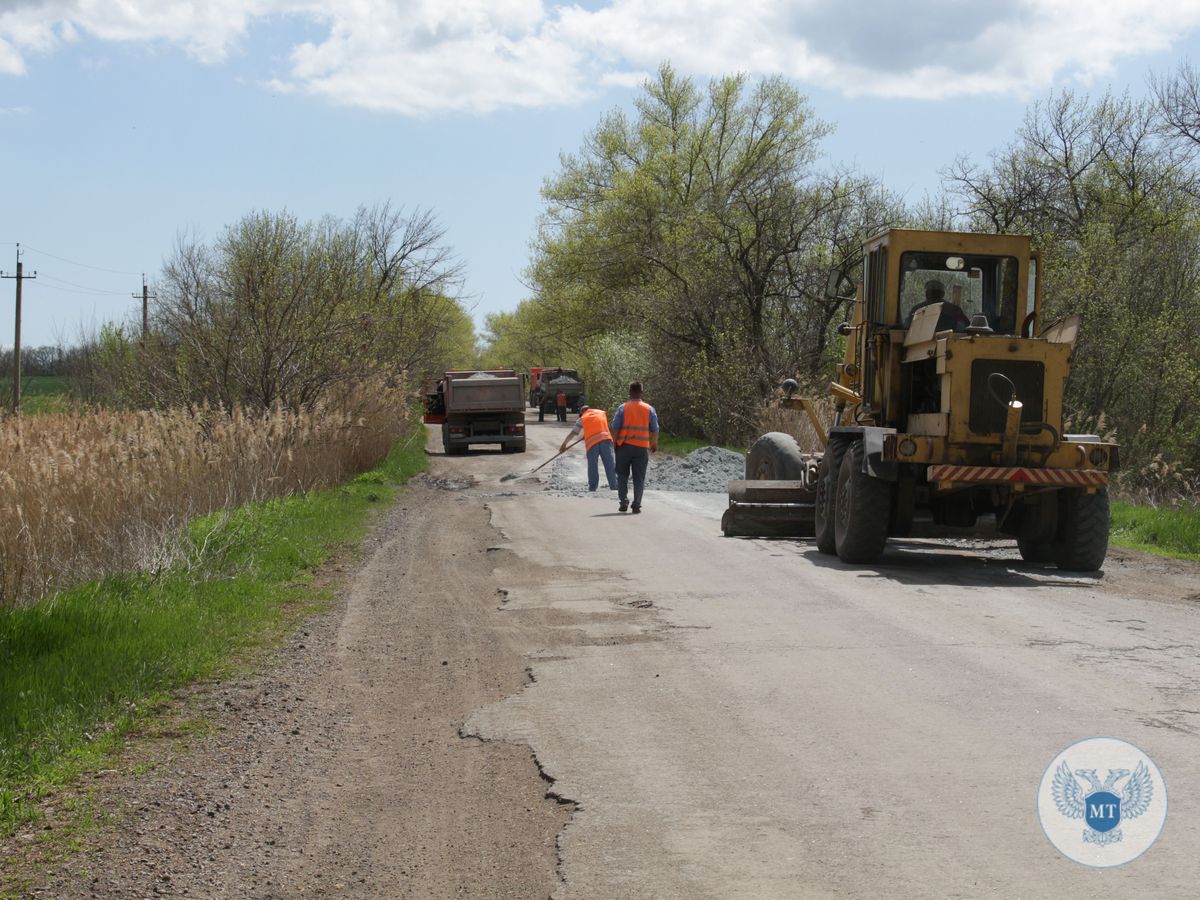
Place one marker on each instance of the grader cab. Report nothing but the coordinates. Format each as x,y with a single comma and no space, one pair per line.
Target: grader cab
948,410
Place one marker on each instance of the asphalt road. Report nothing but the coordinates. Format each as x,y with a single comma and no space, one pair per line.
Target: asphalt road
750,718
519,692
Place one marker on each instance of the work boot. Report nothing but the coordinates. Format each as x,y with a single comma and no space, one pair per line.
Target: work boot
624,506
636,509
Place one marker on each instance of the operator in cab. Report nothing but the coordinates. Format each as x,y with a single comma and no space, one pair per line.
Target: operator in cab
952,318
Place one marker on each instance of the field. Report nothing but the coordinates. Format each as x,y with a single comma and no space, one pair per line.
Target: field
94,493
39,394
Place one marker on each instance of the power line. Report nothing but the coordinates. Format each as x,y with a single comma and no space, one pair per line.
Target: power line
81,265
83,288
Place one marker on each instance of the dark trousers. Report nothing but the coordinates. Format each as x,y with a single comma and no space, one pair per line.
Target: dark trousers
562,413
631,459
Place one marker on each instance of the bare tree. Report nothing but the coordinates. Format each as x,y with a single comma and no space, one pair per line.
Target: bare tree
279,311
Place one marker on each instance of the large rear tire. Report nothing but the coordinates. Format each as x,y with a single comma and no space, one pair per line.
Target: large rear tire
1082,541
1035,551
827,475
863,509
775,457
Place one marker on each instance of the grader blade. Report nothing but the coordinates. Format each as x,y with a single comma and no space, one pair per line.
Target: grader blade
769,509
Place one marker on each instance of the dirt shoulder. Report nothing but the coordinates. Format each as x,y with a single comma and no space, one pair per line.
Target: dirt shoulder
340,769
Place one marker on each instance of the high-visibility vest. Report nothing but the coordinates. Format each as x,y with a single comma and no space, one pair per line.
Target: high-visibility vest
635,424
595,427
561,399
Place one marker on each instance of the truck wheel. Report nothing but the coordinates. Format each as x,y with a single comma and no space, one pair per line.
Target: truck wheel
863,508
775,457
827,475
1082,541
1035,551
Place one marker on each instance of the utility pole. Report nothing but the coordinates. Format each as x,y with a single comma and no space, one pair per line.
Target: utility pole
20,276
145,295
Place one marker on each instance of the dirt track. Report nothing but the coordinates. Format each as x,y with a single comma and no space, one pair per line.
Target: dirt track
732,717
342,772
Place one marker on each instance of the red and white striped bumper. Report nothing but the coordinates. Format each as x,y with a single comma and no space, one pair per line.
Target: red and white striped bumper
1017,475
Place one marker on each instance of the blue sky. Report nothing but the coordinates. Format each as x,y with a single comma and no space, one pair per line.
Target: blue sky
124,124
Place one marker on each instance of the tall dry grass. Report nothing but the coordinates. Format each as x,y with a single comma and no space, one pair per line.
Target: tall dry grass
796,423
86,494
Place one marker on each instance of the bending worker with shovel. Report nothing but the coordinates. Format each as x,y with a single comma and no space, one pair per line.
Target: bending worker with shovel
599,443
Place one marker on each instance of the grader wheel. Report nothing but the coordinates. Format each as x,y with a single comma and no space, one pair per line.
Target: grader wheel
775,457
827,476
1035,551
863,508
1082,541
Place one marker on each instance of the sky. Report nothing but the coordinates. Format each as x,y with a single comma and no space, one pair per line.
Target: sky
125,125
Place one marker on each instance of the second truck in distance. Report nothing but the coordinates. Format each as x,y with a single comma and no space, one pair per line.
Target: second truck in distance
545,382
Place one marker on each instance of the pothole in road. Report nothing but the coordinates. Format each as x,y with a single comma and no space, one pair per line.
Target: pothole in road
638,603
451,484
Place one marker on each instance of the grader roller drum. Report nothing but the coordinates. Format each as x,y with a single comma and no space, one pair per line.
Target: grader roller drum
769,509
778,496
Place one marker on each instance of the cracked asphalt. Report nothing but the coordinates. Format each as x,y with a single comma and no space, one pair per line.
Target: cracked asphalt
524,693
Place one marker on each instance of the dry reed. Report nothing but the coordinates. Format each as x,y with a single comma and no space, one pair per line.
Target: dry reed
796,423
86,494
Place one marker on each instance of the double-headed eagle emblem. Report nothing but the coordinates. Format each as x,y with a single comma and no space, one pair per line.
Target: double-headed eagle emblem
1099,804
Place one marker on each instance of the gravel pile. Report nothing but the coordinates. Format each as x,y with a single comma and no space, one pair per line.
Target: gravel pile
705,470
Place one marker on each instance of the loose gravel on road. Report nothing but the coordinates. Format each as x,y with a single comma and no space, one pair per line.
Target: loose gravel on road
706,470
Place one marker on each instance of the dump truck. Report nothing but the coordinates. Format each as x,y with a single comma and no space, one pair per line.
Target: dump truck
484,407
947,413
544,384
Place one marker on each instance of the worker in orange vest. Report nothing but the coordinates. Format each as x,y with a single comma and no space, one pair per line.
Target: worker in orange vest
635,430
593,423
560,404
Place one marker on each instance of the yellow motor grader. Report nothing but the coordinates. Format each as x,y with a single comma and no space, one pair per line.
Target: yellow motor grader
948,408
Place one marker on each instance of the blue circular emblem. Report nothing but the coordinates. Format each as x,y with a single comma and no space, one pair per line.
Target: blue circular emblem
1102,802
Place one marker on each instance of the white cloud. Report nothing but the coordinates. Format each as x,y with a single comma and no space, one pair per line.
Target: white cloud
425,56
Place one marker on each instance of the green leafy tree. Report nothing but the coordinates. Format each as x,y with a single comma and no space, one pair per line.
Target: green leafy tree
1108,187
702,227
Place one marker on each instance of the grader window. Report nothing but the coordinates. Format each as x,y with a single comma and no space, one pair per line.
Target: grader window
973,284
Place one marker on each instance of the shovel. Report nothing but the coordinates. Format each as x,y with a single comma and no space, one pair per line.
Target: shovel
514,475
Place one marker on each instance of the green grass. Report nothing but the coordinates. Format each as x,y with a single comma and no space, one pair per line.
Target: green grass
39,394
79,671
1160,530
